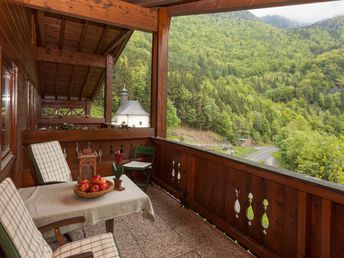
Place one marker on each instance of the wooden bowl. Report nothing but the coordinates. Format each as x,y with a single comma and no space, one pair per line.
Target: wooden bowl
95,194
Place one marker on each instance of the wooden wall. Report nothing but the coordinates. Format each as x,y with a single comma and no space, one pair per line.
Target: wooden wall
17,44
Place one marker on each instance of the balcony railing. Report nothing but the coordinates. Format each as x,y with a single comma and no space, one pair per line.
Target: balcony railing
106,140
272,212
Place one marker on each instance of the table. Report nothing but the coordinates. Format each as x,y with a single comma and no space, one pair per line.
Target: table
51,203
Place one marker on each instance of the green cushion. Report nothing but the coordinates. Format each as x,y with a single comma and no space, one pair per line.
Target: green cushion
7,245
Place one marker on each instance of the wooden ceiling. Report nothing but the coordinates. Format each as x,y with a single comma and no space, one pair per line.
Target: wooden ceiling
71,54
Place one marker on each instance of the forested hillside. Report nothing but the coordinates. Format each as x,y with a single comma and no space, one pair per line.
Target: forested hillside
241,77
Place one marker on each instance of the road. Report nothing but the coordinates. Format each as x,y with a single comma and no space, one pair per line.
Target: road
264,155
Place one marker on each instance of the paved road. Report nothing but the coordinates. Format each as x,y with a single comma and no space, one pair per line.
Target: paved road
264,154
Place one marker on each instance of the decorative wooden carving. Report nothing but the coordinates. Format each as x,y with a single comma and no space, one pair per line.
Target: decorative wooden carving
87,164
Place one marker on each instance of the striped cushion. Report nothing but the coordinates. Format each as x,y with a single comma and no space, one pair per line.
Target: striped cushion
101,245
18,224
51,162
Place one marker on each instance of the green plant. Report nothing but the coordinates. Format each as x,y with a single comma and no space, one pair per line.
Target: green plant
117,171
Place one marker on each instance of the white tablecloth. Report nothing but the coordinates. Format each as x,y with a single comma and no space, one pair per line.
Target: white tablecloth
51,203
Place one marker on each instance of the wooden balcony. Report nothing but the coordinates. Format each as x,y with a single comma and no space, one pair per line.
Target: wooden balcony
305,215
58,55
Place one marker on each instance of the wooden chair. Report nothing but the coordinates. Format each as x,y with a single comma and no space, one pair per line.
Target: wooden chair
19,237
142,162
49,163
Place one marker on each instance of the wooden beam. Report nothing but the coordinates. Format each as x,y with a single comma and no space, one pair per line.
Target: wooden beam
60,103
41,80
118,51
57,70
62,31
71,120
101,38
211,6
40,26
116,41
159,78
97,88
70,57
108,90
154,81
71,82
155,3
85,82
116,13
82,36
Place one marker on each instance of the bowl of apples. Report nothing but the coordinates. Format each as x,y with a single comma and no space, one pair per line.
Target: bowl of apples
93,188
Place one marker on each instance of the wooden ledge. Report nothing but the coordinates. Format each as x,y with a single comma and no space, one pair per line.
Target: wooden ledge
102,134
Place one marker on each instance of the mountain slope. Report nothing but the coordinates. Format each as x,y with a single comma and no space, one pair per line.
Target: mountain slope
281,22
225,69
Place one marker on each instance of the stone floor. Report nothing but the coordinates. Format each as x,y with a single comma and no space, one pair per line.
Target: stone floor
177,232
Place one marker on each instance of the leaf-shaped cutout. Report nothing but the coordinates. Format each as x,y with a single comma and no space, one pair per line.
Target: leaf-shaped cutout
265,221
250,213
237,206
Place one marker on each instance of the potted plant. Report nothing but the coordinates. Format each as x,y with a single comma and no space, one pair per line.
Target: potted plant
117,170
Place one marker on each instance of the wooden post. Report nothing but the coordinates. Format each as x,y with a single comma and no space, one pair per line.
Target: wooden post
159,74
108,90
88,108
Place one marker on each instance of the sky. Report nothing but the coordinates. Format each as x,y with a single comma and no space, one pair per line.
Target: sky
307,13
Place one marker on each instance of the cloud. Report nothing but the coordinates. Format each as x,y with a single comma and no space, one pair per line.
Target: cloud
306,13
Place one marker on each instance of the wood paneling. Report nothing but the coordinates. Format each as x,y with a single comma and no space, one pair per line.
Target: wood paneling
121,14
301,212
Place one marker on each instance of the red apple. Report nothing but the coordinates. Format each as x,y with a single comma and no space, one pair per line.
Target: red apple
83,181
84,187
102,181
104,186
94,188
95,179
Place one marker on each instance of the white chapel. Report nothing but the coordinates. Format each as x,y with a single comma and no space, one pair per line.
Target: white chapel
130,112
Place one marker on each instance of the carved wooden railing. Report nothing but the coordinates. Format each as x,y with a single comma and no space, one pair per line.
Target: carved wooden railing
107,140
272,212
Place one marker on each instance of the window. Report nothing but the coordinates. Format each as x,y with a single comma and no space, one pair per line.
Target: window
8,95
5,110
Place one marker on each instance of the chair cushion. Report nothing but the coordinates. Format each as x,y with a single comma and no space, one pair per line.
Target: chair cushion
51,162
17,222
137,165
101,245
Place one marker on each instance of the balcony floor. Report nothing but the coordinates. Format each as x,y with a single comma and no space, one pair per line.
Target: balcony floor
177,232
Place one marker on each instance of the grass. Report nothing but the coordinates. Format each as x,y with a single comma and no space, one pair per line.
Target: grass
243,152
277,156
